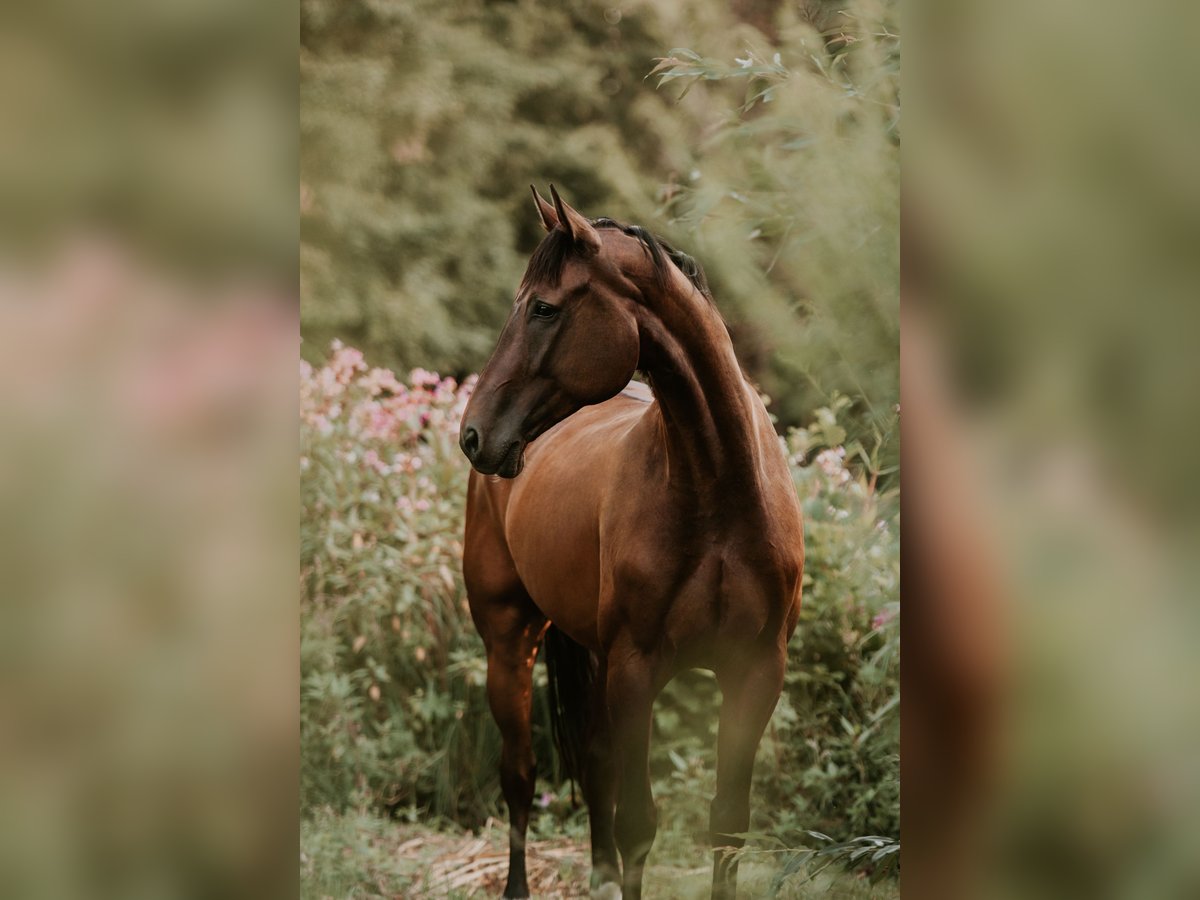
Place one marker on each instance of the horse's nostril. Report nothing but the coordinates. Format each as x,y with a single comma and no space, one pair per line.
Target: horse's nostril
470,442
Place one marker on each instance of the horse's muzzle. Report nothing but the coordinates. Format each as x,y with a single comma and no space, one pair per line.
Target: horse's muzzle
506,465
468,442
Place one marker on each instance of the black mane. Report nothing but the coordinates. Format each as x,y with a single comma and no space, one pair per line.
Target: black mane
547,262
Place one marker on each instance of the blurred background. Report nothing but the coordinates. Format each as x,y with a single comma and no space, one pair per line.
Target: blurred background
1052,205
148,497
151,191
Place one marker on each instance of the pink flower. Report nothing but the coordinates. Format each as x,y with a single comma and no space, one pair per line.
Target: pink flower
345,362
327,380
830,462
379,380
380,423
423,378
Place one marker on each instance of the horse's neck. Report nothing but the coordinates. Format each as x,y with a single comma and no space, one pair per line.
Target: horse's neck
710,425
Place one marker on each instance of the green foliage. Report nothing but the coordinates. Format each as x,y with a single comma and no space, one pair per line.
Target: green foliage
393,711
796,866
795,201
350,856
390,691
393,708
423,124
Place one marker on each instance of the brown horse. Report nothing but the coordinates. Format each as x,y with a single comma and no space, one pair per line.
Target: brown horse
644,535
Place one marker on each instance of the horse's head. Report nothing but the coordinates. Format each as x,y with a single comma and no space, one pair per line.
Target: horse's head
571,340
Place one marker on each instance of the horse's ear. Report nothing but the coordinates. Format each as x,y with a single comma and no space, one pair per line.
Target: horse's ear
579,228
545,211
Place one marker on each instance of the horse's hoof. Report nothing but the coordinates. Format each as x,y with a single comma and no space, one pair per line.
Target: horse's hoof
608,891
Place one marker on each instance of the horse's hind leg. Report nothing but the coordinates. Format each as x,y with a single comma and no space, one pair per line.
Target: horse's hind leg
511,628
749,691
599,791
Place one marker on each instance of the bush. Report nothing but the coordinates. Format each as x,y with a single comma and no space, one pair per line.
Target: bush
422,125
794,203
394,716
392,704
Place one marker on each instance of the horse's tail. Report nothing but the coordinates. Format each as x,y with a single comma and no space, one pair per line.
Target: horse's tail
572,677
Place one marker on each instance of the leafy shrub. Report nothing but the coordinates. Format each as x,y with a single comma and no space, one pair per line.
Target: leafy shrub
392,704
423,123
393,710
422,126
794,200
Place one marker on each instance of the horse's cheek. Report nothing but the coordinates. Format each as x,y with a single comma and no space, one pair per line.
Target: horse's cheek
602,367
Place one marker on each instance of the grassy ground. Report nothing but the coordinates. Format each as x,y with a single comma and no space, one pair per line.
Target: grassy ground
360,856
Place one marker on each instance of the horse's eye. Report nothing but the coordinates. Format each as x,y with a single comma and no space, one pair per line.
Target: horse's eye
544,310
